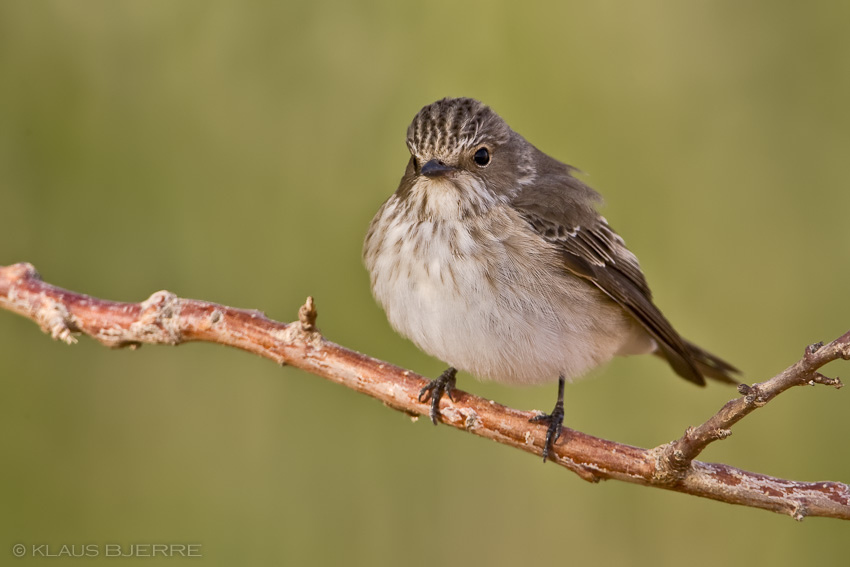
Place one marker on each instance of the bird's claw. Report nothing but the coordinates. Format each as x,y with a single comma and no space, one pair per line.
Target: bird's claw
435,389
556,425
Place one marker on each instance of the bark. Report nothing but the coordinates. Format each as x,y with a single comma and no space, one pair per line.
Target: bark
166,319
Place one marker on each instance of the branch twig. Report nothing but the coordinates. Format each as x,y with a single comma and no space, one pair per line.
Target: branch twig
166,319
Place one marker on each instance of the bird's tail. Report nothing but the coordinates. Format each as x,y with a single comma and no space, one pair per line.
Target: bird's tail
697,364
712,366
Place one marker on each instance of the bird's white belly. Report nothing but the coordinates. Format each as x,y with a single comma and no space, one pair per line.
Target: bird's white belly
464,292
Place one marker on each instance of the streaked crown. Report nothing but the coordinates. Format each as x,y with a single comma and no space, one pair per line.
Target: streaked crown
449,126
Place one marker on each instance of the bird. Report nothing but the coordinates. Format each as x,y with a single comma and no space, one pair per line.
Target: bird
492,257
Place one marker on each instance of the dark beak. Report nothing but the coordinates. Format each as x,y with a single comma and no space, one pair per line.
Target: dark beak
435,168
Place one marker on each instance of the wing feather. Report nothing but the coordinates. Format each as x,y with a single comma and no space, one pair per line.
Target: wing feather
594,252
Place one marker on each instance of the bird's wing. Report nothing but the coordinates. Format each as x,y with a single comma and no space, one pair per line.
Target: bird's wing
594,252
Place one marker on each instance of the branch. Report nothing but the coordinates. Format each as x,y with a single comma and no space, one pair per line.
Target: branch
166,319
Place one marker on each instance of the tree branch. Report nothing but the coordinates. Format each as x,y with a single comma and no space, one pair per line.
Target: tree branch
166,319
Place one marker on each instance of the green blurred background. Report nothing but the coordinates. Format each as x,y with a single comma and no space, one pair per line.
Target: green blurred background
236,152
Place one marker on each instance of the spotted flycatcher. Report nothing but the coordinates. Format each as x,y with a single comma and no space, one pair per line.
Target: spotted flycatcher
492,257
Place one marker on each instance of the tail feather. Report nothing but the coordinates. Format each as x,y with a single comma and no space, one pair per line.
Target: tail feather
713,366
709,365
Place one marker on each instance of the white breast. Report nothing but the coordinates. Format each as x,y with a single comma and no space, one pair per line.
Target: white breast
488,296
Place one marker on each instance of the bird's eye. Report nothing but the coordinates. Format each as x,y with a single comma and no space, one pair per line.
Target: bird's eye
481,157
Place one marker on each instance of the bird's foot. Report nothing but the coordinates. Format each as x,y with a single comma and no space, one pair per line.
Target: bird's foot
443,384
556,424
